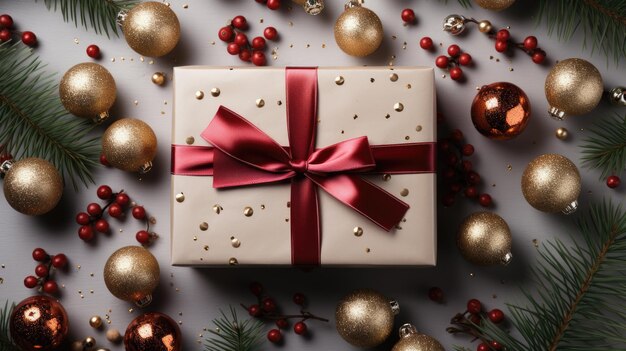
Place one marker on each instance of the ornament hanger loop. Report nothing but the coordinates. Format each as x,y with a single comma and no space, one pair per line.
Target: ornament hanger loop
354,3
121,17
5,166
407,330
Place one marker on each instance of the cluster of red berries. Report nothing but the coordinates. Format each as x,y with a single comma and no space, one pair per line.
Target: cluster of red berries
238,43
613,181
529,45
453,62
271,4
117,202
6,32
266,308
93,51
43,271
408,16
459,175
468,321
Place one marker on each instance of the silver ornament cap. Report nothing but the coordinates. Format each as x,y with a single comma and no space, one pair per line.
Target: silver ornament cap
314,7
407,330
454,24
617,96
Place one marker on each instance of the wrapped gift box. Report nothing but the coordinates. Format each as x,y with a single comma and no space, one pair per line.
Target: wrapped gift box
251,225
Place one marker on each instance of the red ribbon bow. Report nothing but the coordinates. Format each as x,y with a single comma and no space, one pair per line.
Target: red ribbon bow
244,155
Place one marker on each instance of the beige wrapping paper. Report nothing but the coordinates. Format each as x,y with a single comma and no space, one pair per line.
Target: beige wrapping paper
250,225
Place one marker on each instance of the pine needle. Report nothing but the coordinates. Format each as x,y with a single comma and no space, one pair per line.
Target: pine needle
605,148
5,337
464,3
33,123
233,335
101,15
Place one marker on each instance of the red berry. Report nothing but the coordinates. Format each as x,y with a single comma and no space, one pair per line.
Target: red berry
139,212
495,345
456,73
450,172
457,136
104,161
269,305
258,58
613,181
59,261
273,4
483,347
467,150
408,16
282,323
226,33
115,210
539,56
258,43
5,157
299,299
270,33
101,225
475,318
82,218
50,287
40,254
465,59
85,233
503,35
456,187
256,288
474,306
485,200
442,61
261,1
5,35
94,209
473,178
6,21
426,43
29,38
254,310
239,22
41,270
444,145
496,316
452,159
300,328
448,200
143,237
233,49
530,43
122,199
93,51
466,165
104,192
501,46
435,294
274,335
30,282
241,39
454,50
245,55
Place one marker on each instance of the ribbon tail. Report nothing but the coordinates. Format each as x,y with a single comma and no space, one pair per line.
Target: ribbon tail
368,199
305,223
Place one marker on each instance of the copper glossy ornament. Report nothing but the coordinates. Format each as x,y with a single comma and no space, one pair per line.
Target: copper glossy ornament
32,186
131,274
500,111
412,340
130,145
88,90
38,323
152,332
151,28
551,183
484,239
358,30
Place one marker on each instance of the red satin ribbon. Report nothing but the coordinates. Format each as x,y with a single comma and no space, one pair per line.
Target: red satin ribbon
244,155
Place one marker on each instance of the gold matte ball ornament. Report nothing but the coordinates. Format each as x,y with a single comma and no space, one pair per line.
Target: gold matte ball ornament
358,30
88,90
573,87
494,5
131,274
365,318
412,340
151,29
551,183
130,145
32,186
484,239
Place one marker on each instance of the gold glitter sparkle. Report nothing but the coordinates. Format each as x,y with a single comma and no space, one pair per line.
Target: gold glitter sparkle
248,211
357,231
339,80
199,94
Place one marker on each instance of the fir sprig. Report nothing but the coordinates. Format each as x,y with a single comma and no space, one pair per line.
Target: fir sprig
5,337
33,123
464,3
234,335
603,22
578,303
101,15
605,148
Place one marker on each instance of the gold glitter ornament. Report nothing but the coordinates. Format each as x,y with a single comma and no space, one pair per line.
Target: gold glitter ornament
358,30
573,87
131,274
151,28
32,186
412,340
365,318
88,90
495,5
551,183
158,78
130,145
484,239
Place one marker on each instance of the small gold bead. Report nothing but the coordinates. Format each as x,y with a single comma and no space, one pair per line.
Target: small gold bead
199,94
562,133
215,92
393,77
158,78
484,26
95,322
260,103
248,211
339,80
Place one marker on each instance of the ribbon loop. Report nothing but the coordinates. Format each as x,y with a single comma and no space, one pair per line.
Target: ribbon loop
299,166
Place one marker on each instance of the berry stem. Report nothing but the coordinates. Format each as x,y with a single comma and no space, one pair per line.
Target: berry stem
304,315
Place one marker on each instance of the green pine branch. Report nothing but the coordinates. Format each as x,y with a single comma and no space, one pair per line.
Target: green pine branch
101,15
605,148
233,335
33,122
578,303
603,22
5,337
464,3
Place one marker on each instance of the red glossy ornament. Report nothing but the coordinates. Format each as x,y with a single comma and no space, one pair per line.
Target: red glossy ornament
6,21
456,136
471,192
473,178
29,38
500,111
38,323
82,218
153,331
495,345
93,51
482,347
426,43
467,150
270,33
408,15
240,22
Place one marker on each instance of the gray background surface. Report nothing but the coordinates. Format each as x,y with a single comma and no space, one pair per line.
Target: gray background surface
194,296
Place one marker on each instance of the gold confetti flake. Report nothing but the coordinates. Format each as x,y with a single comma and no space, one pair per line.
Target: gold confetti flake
279,102
217,209
259,103
141,58
76,41
261,20
418,128
308,46
180,197
235,242
199,94
195,238
386,177
233,261
290,24
535,243
394,37
387,116
185,6
206,247
150,63
152,220
190,140
358,231
248,211
323,46
339,80
404,192
262,207
288,204
393,77
509,168
510,69
215,92
1,280
407,137
398,106
372,80
112,59
204,226
408,86
355,116
368,250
